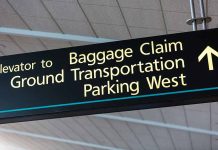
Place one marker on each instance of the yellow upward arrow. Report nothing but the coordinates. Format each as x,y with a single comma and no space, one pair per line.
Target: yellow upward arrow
208,51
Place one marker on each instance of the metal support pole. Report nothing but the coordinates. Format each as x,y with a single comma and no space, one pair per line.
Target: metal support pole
192,7
204,19
204,24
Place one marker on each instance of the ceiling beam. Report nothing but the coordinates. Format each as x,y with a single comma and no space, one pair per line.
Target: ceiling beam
52,35
56,139
158,124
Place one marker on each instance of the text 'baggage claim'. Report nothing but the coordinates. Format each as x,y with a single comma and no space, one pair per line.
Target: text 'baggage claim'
111,73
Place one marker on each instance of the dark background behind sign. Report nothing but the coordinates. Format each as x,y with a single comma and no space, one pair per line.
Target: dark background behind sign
70,91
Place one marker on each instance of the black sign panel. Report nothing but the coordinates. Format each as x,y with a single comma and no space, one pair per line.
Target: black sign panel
125,75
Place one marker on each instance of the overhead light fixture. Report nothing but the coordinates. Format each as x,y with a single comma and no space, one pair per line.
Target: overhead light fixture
52,35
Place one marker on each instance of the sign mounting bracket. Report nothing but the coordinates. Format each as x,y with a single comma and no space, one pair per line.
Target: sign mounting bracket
194,21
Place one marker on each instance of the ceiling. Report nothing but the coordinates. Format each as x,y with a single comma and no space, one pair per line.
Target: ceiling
118,20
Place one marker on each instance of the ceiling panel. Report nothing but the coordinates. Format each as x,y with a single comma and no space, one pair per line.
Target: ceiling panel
61,130
93,130
174,31
143,4
4,38
5,7
176,5
24,141
195,119
10,48
214,125
214,143
41,24
199,119
200,142
62,0
116,32
214,108
177,21
29,8
103,14
214,22
46,130
139,32
80,43
141,132
143,18
55,44
199,107
99,2
160,133
152,114
164,143
10,20
27,40
127,135
79,130
162,136
65,10
181,139
107,129
213,5
75,27
17,21
174,115
39,144
31,47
